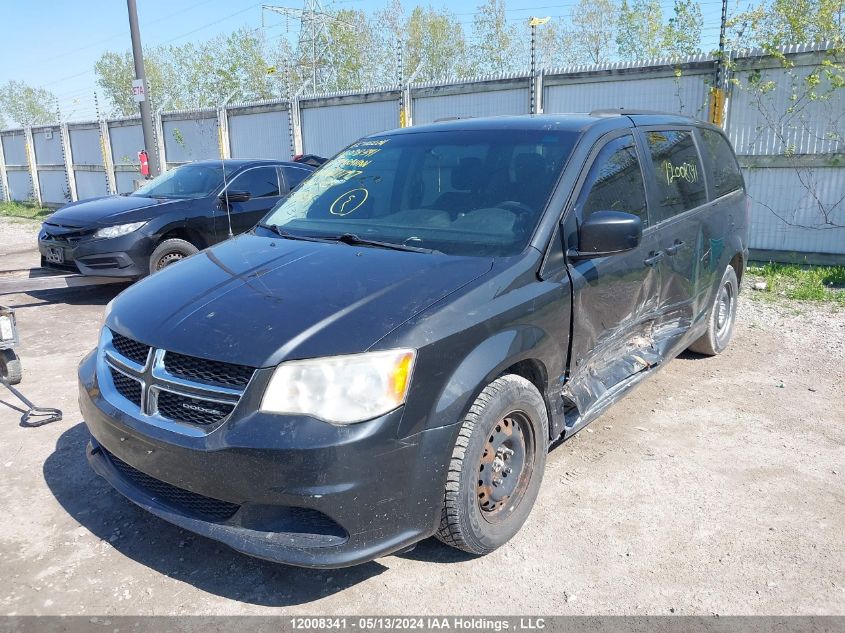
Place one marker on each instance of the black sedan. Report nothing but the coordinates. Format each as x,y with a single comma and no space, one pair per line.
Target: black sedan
172,217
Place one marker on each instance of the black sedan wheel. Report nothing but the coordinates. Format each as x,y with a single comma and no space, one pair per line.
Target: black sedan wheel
169,252
496,468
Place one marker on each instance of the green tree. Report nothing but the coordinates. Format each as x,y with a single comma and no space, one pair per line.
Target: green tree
800,21
435,44
351,52
554,46
593,28
682,35
115,72
640,35
389,32
25,105
496,46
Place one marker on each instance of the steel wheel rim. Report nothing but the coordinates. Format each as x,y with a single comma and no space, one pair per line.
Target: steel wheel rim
169,258
505,466
724,309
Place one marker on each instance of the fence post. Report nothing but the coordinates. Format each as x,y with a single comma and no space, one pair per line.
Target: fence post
296,121
68,153
4,180
538,91
162,143
223,132
108,159
29,147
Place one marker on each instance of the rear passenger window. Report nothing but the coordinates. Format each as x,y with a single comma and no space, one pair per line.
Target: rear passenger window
260,182
615,181
295,175
680,179
721,163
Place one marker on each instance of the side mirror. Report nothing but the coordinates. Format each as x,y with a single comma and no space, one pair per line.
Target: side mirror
608,232
234,196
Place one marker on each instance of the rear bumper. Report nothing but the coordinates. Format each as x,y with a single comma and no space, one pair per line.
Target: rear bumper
317,496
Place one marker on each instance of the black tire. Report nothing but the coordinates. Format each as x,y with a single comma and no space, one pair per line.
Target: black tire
10,366
169,252
721,318
479,518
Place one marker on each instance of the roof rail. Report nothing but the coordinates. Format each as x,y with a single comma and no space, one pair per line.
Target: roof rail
632,111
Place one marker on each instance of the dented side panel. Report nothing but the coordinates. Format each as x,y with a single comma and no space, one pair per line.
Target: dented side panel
615,322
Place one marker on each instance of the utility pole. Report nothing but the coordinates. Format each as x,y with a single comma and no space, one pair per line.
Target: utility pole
140,90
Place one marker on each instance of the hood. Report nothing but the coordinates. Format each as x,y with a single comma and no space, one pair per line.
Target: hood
110,210
257,300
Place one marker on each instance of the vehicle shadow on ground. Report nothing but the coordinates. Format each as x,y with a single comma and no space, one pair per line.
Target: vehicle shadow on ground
174,552
85,295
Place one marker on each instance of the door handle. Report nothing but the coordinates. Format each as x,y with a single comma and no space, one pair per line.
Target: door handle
675,247
654,258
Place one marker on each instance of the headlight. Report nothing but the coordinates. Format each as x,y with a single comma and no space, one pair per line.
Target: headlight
118,230
341,389
108,310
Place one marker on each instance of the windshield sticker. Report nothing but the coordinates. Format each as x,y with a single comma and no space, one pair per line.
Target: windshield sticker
348,202
686,171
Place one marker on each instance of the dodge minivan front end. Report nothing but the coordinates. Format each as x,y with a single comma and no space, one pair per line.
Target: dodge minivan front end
284,486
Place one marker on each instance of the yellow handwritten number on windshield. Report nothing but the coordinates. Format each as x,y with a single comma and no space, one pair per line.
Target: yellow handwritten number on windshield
348,202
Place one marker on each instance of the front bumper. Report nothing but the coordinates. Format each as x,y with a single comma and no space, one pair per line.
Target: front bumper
301,491
124,256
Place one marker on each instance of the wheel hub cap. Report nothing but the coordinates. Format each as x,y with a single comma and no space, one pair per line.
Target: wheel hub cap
502,464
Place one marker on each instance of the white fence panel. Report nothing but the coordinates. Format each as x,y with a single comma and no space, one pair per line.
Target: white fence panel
190,139
20,184
14,147
433,107
327,129
785,215
687,95
260,134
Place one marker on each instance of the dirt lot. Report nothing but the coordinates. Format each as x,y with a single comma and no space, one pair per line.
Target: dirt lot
717,487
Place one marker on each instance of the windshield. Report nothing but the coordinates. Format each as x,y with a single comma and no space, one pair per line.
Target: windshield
187,181
477,192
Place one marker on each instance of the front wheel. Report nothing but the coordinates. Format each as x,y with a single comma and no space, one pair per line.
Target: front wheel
496,468
169,252
721,318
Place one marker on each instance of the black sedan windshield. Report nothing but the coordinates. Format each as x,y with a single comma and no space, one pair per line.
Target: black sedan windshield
187,181
468,192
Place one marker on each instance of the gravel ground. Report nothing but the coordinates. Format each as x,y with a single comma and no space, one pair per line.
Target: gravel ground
716,487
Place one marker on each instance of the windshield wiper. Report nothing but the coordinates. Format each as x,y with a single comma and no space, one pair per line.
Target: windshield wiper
294,236
355,240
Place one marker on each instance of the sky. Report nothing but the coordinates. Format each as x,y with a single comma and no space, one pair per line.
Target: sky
54,44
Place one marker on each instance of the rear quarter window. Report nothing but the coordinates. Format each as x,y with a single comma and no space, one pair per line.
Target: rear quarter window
721,163
679,176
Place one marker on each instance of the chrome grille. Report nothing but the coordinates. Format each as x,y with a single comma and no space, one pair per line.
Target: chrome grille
188,395
133,350
179,499
210,371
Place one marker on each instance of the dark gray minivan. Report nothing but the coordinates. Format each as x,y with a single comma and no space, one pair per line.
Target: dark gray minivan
390,353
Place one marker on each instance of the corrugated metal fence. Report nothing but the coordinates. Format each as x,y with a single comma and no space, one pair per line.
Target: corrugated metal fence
792,156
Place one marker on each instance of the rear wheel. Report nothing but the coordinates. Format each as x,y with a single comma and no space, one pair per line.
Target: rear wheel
169,252
721,319
496,468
